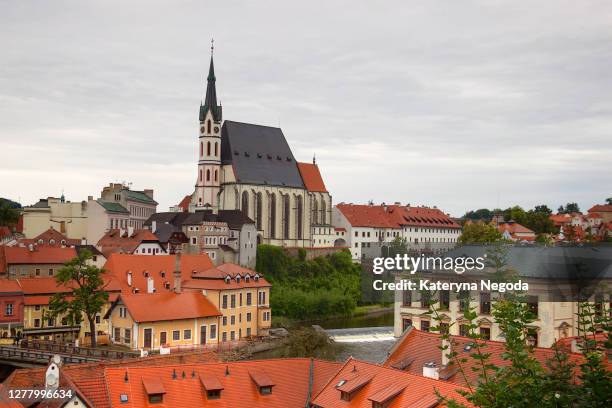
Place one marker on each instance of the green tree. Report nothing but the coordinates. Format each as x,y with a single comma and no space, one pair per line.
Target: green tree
86,296
483,214
9,215
538,220
609,200
569,208
516,214
479,232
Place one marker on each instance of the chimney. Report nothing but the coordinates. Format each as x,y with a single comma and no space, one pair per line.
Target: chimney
430,370
150,285
129,278
446,343
130,231
148,192
177,272
31,247
52,376
153,226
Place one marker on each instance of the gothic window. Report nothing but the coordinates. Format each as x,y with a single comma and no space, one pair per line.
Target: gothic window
207,175
286,216
200,174
208,148
245,203
216,149
273,215
216,175
258,211
236,198
315,212
201,149
323,212
208,128
299,217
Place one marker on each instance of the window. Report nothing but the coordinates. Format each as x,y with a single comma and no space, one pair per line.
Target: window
122,312
36,322
176,335
464,330
445,299
224,306
216,148
224,336
233,301
248,317
425,325
407,298
208,148
50,271
207,175
245,203
315,213
232,335
117,334
156,398
258,211
286,216
485,303
213,331
50,322
248,297
128,336
485,333
298,216
225,320
262,298
272,215
532,304
9,309
464,301
37,271
233,319
213,394
97,319
209,131
425,299
406,323
444,327
265,390
187,334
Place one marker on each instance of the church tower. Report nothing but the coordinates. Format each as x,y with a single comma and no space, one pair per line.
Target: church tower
206,196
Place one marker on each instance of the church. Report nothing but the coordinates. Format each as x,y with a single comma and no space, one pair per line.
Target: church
251,168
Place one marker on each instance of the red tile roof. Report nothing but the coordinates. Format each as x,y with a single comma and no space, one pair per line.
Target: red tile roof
398,388
415,348
118,266
184,204
395,216
168,306
118,241
9,286
312,177
291,378
40,255
89,377
214,278
51,237
601,208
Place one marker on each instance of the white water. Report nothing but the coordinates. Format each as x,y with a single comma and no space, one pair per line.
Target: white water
362,334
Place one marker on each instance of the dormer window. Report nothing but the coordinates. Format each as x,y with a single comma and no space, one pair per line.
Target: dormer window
212,386
256,278
154,388
228,280
352,387
247,278
146,274
262,381
40,241
163,274
63,242
238,279
51,241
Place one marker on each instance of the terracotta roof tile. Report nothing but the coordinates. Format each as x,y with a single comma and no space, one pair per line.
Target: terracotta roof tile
601,208
40,255
312,177
119,241
395,216
168,306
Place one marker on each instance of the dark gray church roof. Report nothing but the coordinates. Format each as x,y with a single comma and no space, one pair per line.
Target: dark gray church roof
259,155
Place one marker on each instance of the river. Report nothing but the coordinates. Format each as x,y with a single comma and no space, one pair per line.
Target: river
366,337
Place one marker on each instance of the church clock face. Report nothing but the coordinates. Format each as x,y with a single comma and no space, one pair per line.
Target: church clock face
216,129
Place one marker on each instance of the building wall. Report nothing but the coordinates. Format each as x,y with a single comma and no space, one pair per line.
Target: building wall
240,324
100,221
13,322
70,218
137,330
33,270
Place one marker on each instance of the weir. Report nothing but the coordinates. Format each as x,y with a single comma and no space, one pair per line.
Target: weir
361,334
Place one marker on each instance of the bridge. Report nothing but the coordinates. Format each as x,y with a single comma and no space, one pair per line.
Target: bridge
36,353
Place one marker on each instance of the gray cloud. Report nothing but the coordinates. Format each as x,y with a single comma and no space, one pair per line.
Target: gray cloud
455,104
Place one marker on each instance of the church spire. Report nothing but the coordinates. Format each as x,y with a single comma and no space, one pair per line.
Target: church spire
210,102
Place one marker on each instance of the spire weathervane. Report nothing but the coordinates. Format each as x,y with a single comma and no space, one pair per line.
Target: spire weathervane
212,46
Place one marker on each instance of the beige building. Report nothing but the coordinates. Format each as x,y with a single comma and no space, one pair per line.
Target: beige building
150,321
551,295
139,204
69,218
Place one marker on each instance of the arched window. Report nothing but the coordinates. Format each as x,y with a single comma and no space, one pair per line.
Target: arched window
208,148
258,211
236,199
315,212
273,215
216,149
208,126
323,212
201,149
299,217
245,203
200,174
207,175
286,216
216,175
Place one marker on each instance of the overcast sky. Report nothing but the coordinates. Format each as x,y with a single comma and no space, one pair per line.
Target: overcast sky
457,104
